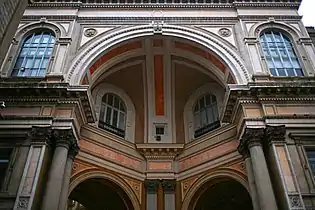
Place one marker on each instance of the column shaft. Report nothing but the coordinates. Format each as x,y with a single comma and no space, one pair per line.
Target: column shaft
251,182
266,195
65,185
55,178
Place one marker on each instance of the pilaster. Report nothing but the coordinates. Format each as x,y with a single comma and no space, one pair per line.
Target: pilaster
40,138
285,180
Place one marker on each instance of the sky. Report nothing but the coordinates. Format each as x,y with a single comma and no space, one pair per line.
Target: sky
307,10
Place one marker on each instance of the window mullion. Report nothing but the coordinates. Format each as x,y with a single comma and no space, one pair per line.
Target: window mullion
288,54
269,50
23,64
35,54
43,56
278,51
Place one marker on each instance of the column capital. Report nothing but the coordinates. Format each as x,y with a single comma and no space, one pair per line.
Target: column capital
151,185
41,134
73,151
275,133
253,136
169,185
64,138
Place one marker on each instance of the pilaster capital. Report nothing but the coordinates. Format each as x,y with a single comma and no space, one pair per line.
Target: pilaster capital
73,151
40,134
64,138
243,149
169,185
275,133
151,185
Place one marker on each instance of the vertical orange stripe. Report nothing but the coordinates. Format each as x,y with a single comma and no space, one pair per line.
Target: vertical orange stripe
159,85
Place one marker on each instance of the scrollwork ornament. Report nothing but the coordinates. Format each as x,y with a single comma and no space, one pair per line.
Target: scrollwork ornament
169,185
90,32
225,32
152,185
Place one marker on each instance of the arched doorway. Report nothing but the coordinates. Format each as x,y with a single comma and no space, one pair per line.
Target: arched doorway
223,194
98,193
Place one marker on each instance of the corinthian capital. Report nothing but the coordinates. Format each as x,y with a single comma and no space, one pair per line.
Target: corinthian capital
275,133
64,138
40,134
251,137
73,151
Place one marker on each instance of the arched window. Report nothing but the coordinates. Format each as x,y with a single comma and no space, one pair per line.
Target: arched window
113,115
280,56
35,55
206,115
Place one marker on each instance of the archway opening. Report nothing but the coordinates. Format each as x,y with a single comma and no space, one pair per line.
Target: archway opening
97,193
223,194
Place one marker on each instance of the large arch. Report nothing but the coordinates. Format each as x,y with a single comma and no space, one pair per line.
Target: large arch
218,174
95,173
91,53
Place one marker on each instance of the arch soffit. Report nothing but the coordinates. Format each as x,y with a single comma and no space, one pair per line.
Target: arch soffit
94,173
292,32
221,173
57,29
82,61
106,67
100,90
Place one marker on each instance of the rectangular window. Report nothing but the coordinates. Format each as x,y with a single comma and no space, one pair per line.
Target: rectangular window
5,155
311,159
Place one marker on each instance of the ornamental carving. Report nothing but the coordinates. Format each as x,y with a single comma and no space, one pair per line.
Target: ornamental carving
225,32
23,203
295,201
275,133
136,186
152,185
41,134
90,32
64,137
186,185
73,151
169,185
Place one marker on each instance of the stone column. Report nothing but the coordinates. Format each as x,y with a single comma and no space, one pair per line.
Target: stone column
169,194
252,139
243,150
151,193
74,149
63,140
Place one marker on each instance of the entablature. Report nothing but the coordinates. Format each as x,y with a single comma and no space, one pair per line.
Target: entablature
164,3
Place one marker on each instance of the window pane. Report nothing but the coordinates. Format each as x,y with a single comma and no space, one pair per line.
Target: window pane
110,99
115,118
116,102
121,121
108,115
197,121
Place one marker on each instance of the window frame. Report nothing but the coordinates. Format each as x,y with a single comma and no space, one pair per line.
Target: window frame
215,123
212,88
99,91
6,179
21,46
285,36
120,132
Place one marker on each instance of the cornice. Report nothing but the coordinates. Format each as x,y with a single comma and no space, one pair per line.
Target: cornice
272,89
160,151
168,4
37,89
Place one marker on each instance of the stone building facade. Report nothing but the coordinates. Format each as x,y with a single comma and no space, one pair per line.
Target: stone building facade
158,105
